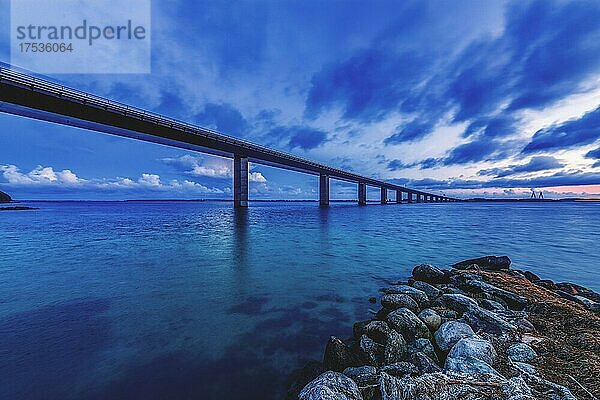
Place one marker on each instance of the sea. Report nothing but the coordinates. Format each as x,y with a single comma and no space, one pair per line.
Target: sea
198,300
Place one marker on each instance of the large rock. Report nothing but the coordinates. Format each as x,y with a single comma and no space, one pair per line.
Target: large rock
488,322
331,386
400,369
301,377
406,323
5,198
512,300
521,352
468,365
428,273
425,364
417,295
395,301
451,332
475,348
395,348
431,291
431,319
488,263
422,346
363,376
457,302
337,355
358,329
378,331
372,352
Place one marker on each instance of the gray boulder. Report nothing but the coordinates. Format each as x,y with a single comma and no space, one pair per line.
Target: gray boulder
378,331
428,273
488,263
431,291
431,318
365,375
406,323
395,301
331,386
468,365
457,302
487,321
417,295
371,351
423,346
400,369
425,364
491,305
395,348
512,300
475,348
451,332
521,352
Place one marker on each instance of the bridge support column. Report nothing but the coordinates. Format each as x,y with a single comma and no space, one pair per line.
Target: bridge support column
362,194
398,196
240,181
409,197
383,195
418,197
324,190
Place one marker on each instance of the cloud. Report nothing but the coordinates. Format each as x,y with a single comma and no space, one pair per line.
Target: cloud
40,176
45,178
536,164
558,179
212,167
223,118
547,51
572,133
304,137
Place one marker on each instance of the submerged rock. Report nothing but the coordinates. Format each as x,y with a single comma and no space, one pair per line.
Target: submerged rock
331,386
428,273
408,324
451,332
395,301
488,263
521,352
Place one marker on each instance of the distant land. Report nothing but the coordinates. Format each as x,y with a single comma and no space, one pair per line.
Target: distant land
5,198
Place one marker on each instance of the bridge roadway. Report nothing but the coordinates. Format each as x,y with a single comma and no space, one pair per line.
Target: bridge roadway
33,97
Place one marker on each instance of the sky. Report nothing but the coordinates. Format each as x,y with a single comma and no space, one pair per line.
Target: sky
463,98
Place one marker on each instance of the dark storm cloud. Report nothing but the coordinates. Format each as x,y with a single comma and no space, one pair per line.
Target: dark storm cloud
536,164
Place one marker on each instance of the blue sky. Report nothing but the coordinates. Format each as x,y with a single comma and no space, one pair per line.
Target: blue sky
465,98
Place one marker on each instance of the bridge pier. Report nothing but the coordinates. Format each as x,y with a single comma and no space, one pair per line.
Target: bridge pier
409,197
383,195
398,196
324,190
362,194
240,181
418,197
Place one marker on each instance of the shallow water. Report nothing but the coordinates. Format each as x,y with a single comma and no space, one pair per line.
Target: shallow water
183,300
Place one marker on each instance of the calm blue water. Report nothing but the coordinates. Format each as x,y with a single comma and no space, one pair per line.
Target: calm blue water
183,300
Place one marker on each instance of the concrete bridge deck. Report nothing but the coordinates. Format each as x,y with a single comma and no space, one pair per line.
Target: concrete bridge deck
30,96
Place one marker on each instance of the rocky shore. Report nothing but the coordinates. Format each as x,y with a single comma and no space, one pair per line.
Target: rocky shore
480,330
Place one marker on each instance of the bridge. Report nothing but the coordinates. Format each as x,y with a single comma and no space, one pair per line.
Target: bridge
27,95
